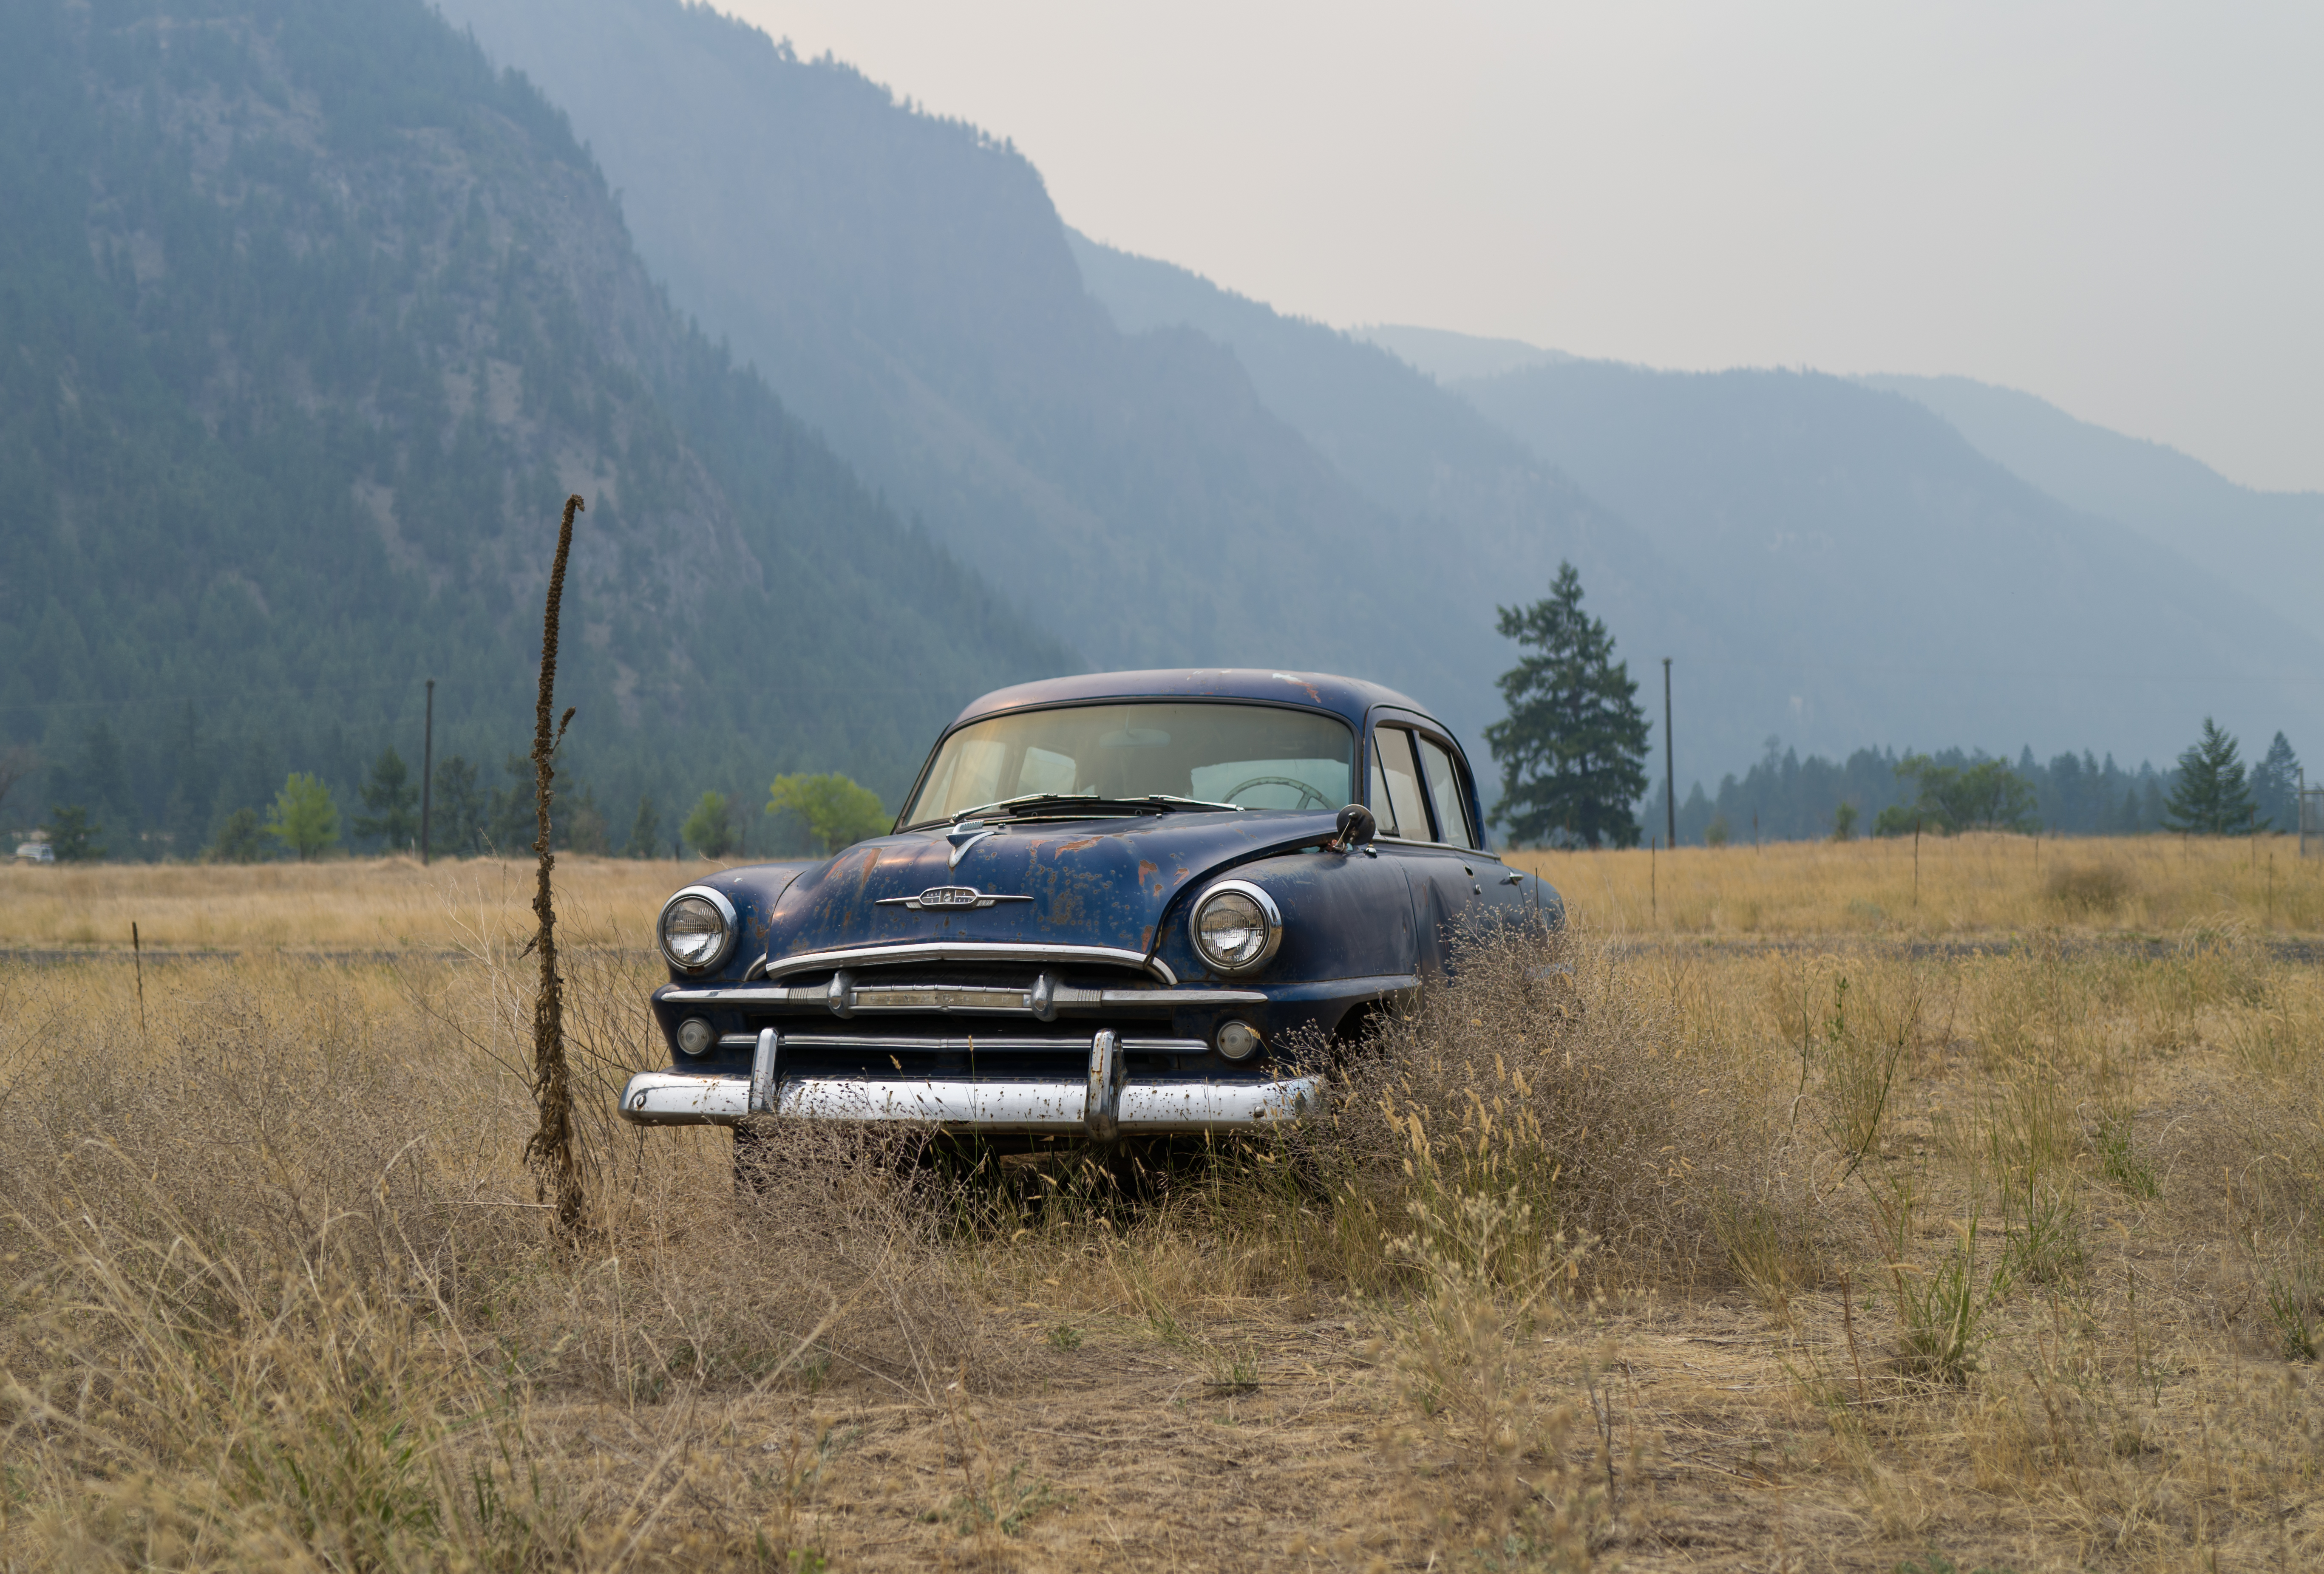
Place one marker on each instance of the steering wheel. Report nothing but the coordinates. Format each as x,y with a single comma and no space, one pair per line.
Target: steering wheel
1306,792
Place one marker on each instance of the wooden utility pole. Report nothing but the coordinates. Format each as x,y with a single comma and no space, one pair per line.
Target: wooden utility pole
426,770
1670,775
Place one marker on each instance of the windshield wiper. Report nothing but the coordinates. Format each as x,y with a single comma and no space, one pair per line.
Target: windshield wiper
1152,803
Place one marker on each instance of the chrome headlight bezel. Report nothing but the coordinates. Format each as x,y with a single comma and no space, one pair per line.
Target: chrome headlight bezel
1269,912
725,910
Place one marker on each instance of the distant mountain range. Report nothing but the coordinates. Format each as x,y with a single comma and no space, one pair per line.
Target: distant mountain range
2269,545
906,285
317,316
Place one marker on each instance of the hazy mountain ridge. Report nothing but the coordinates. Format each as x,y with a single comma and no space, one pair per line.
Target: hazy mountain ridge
2269,545
1174,474
906,285
1493,520
1449,357
321,318
1910,588
1876,577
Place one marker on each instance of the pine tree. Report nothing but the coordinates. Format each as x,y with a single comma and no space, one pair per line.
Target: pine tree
96,780
458,810
2211,797
74,834
645,831
511,817
1573,747
238,839
2273,782
394,800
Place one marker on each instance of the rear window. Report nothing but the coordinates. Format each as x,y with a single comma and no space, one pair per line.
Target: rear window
1444,791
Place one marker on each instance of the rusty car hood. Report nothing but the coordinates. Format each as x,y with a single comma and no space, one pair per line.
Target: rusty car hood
1095,882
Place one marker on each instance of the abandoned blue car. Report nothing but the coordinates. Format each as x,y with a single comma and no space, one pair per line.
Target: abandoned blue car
1127,904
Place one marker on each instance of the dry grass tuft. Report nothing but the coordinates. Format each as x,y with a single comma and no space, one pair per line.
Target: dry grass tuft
2086,890
1549,1076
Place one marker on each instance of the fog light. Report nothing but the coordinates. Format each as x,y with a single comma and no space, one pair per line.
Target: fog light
694,1035
1239,1041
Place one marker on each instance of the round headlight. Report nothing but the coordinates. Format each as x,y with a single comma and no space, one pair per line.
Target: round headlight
697,925
1236,926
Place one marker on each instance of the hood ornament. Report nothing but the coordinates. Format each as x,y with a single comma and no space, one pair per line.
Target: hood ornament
938,897
965,835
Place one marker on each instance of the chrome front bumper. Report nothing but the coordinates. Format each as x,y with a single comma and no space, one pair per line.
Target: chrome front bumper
1103,1105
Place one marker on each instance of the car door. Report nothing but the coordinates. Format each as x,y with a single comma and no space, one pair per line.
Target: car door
1435,846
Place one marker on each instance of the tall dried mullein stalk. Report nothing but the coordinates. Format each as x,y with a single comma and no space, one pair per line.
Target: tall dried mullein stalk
549,1150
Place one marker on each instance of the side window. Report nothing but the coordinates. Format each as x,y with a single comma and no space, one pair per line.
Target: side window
1383,811
1392,747
1444,792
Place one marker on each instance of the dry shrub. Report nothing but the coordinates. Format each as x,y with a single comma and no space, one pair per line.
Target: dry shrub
282,1296
1466,1353
2086,890
1549,1074
2247,1162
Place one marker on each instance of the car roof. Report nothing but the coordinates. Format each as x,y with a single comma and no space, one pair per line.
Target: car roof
1345,697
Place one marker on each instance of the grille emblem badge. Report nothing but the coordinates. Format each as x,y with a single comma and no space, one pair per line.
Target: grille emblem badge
938,897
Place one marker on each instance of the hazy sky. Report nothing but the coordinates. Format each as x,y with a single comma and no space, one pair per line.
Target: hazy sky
2117,206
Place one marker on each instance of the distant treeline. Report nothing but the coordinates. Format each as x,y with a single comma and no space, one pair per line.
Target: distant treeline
1786,798
184,790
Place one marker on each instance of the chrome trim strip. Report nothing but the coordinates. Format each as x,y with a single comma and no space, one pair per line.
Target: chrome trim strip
982,1043
717,900
1059,999
978,997
967,951
1171,998
675,1099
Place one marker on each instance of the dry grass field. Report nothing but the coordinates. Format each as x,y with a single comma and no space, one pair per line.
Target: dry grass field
1833,1250
1972,886
345,905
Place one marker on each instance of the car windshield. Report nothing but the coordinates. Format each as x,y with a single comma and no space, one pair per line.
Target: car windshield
1255,757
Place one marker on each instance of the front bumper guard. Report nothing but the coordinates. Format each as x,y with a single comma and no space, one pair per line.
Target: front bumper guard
1103,1105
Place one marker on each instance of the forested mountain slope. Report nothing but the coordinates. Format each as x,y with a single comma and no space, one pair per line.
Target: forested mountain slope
310,322
905,284
2269,545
